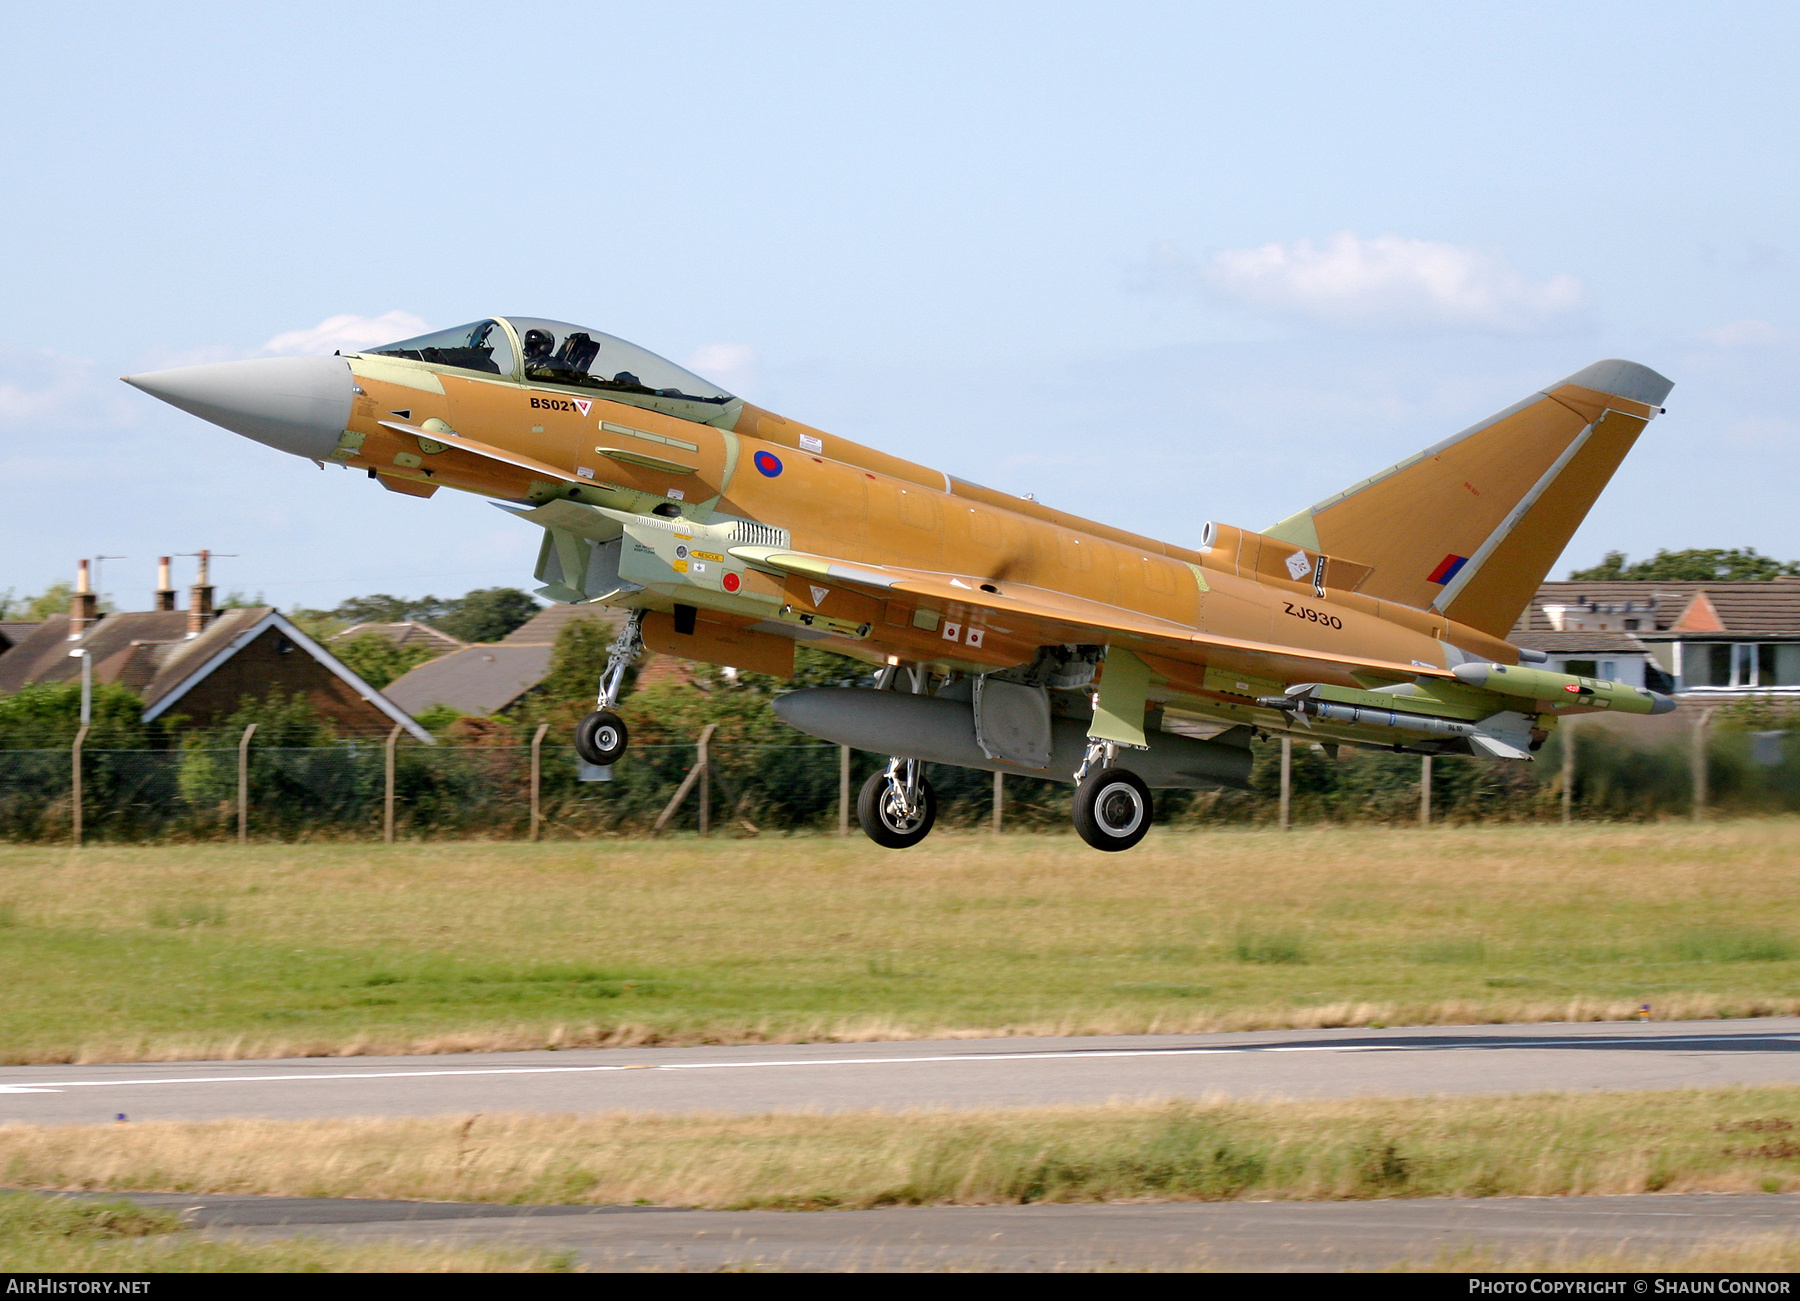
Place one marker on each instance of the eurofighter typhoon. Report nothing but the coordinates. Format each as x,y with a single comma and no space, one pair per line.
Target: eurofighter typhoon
1008,636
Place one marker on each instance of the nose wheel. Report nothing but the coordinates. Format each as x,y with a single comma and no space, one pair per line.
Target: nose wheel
1112,808
897,807
602,736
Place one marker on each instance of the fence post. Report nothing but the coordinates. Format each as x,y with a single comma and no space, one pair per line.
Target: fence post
75,761
1425,790
843,790
1567,727
537,749
1287,781
687,783
387,803
244,784
705,763
1702,725
999,799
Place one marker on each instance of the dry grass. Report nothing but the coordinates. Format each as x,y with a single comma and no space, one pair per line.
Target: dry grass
121,953
56,1236
1714,1140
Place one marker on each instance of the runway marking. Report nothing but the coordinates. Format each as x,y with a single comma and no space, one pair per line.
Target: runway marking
1057,1055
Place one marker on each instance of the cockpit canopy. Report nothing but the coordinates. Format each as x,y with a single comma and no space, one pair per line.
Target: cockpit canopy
555,352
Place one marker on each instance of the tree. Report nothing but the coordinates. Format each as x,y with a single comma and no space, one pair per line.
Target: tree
382,608
56,599
320,625
282,721
49,713
377,660
487,614
576,662
1692,566
484,615
208,774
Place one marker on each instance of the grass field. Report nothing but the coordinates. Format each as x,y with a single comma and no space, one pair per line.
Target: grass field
119,953
1540,1145
52,1235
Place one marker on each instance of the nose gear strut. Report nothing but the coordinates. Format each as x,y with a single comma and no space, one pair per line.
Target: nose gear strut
601,737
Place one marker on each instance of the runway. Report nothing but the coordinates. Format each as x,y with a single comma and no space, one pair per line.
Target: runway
1167,1235
943,1073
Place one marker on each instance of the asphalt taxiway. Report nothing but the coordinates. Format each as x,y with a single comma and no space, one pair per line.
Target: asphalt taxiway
1167,1235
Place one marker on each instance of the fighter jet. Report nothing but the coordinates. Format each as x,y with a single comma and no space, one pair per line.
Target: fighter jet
1006,635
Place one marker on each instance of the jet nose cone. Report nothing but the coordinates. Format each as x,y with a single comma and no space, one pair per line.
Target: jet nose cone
293,404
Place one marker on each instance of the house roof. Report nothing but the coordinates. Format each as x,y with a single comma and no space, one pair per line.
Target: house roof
1588,643
1771,607
150,652
407,633
116,639
542,628
14,631
474,680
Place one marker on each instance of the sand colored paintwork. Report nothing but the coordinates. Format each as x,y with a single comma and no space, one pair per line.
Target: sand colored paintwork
891,561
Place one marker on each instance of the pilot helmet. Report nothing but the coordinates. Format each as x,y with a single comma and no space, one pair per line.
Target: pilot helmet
538,344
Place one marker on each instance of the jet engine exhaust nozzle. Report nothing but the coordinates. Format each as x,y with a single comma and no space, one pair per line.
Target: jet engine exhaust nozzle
293,404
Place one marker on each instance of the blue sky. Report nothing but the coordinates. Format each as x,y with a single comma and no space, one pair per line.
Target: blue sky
1155,263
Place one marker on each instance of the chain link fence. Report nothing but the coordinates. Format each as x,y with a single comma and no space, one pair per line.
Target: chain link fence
343,790
451,792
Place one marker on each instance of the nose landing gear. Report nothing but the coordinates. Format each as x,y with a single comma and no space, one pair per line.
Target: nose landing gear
601,737
897,807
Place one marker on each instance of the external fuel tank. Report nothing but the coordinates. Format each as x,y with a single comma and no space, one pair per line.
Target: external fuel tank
940,730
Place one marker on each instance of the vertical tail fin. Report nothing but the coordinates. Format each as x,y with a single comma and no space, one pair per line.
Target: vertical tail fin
1471,526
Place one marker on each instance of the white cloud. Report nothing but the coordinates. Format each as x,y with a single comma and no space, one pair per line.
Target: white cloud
1740,334
1388,282
732,366
346,334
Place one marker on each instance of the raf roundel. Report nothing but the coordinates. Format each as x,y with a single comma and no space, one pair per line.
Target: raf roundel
768,464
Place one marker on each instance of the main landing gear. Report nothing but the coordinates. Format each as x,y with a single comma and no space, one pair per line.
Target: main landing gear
897,807
601,737
1112,804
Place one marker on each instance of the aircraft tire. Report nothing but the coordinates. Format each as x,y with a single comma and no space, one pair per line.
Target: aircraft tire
601,738
1113,809
879,821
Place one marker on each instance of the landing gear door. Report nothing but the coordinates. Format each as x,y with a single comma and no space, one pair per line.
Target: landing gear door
1012,722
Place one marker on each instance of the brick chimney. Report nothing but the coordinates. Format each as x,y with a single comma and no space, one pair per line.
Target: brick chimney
165,593
84,611
200,599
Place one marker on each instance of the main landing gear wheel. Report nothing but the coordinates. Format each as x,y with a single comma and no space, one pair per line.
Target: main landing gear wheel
600,738
1112,808
882,810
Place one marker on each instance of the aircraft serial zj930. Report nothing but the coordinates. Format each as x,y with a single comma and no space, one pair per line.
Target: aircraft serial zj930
1009,636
